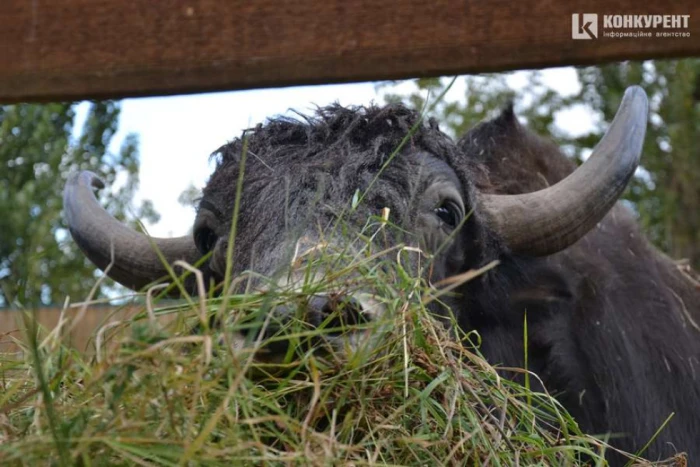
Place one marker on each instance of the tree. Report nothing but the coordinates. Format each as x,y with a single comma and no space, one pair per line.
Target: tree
39,262
666,192
668,198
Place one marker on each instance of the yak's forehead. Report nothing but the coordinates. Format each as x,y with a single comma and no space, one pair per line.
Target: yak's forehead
277,208
332,156
317,187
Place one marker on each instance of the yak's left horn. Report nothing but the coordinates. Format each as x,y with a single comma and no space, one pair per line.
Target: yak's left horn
99,235
550,220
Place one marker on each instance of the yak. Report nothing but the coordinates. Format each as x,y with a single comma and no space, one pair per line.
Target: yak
613,324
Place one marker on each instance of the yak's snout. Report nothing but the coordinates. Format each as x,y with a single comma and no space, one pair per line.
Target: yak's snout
331,311
318,321
330,315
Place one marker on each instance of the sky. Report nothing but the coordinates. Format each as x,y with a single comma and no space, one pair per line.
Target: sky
178,133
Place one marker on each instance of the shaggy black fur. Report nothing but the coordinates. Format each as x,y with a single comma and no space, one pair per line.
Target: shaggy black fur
302,173
613,325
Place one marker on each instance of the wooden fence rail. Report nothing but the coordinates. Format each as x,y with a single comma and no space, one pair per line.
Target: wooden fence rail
82,336
77,49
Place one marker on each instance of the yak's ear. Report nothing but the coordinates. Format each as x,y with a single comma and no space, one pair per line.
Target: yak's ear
507,117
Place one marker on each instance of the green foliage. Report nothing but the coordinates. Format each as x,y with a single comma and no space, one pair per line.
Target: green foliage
190,196
668,200
666,193
39,262
483,97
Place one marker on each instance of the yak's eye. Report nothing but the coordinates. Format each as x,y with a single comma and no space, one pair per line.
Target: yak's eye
205,239
450,213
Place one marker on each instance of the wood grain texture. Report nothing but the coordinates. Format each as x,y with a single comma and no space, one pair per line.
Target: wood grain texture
76,49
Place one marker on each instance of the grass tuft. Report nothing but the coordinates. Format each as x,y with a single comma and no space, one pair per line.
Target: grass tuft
231,382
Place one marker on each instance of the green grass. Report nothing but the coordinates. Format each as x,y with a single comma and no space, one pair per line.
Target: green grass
407,394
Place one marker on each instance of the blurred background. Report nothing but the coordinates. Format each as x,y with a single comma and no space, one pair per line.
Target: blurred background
153,154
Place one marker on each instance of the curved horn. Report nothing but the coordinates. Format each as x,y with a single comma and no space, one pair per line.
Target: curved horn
550,220
98,234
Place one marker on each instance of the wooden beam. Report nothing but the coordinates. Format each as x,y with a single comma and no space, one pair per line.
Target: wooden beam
77,49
